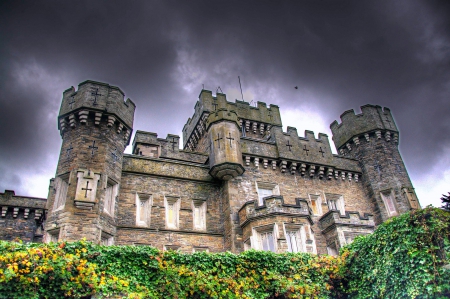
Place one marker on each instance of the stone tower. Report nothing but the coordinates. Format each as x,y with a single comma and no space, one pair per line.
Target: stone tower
372,138
95,124
225,157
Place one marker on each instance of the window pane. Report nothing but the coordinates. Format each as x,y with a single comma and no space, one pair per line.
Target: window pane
314,207
170,214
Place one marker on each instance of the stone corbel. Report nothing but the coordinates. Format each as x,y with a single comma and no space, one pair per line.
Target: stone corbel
62,124
265,163
312,170
336,174
126,134
356,177
283,166
302,169
356,140
15,212
26,212
247,160
38,214
349,176
256,161
72,121
378,133
330,173
343,175
274,165
111,120
119,128
293,168
387,136
321,171
349,146
83,116
4,210
367,137
98,118
255,124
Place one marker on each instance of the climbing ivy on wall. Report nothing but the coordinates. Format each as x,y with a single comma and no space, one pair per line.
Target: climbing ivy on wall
402,259
405,257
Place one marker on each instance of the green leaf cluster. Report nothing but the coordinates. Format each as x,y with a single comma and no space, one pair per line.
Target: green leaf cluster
405,257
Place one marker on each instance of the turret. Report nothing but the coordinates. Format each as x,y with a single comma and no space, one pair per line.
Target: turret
225,157
372,138
95,124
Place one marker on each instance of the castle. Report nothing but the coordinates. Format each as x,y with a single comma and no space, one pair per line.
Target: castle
239,182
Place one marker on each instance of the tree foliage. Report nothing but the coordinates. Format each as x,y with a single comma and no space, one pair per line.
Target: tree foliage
446,201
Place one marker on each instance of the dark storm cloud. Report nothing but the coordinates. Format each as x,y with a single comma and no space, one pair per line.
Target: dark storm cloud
342,54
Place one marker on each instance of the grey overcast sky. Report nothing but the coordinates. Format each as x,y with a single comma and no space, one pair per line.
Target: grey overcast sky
340,54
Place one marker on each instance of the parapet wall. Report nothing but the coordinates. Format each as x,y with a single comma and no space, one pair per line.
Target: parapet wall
372,118
208,104
98,96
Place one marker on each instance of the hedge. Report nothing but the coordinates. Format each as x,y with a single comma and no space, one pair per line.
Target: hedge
402,259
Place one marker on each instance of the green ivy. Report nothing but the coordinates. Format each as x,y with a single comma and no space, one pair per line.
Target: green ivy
404,258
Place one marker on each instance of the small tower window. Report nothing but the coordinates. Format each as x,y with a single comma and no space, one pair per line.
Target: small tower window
61,186
199,214
172,205
335,202
265,238
388,200
266,189
143,206
316,202
106,239
110,197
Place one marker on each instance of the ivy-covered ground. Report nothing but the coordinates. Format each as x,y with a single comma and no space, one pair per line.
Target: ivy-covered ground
404,258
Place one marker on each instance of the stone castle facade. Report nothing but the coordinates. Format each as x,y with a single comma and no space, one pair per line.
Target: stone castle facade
239,182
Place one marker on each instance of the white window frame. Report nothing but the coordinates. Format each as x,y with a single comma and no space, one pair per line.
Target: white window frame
260,186
259,237
247,244
332,249
111,192
174,203
318,200
297,232
199,214
143,209
388,197
106,239
172,247
335,202
61,186
200,249
53,236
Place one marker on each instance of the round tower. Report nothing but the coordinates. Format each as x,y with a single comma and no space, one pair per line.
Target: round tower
95,124
372,138
225,158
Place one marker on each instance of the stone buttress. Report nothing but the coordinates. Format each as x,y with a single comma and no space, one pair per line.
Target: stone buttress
95,124
372,138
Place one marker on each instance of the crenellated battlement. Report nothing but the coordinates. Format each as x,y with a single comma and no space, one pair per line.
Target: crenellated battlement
98,97
253,118
96,103
372,118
